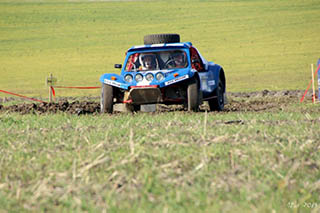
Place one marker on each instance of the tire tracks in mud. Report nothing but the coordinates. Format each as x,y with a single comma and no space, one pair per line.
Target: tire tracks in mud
237,102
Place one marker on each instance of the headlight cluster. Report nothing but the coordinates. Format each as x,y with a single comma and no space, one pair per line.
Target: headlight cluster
139,77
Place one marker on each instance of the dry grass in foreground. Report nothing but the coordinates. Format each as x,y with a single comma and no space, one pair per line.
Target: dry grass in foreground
238,160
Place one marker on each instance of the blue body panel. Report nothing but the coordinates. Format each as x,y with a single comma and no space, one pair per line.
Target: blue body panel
118,82
208,78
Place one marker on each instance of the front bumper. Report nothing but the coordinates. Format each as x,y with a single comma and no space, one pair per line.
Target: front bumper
143,95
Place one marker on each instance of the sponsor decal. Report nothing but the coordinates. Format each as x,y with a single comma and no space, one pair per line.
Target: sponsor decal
144,82
211,83
176,80
176,45
204,85
112,83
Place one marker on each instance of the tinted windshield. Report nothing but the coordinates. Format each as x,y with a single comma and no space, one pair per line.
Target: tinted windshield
146,61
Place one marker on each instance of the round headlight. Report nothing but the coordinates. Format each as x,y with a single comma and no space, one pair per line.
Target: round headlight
159,76
149,77
138,77
128,78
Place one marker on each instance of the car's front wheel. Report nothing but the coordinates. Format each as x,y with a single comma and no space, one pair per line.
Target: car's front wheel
106,101
193,95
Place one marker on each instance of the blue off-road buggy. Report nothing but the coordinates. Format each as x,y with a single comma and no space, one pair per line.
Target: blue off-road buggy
167,71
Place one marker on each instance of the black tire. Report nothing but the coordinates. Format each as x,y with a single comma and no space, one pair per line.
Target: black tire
193,95
217,104
106,102
161,38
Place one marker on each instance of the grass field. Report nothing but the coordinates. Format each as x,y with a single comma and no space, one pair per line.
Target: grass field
261,44
162,162
233,161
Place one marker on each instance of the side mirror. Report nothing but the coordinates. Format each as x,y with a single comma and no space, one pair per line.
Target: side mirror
118,66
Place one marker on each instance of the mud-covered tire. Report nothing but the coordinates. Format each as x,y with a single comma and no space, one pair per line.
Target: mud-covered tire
106,101
193,95
161,38
217,104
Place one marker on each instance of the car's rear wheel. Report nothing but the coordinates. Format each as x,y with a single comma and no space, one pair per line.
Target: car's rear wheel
217,103
193,95
161,38
106,101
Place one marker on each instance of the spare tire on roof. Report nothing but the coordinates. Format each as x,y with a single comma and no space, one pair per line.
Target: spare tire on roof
161,38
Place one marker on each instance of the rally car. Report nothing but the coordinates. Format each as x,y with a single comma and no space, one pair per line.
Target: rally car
167,71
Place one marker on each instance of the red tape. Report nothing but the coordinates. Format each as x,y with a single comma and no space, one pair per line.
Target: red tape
22,96
54,93
77,87
52,89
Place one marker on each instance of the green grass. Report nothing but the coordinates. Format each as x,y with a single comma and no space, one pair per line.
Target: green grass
163,162
261,44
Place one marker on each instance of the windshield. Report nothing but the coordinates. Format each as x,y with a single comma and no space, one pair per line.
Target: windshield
146,61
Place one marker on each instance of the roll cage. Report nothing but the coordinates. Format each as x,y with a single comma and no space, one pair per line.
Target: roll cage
194,58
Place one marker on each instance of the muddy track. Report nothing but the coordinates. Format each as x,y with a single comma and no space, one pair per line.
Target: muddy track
238,102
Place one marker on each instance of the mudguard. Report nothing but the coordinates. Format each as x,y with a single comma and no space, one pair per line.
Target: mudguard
114,80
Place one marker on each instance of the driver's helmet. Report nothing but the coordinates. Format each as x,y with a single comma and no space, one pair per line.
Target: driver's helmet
179,58
148,61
